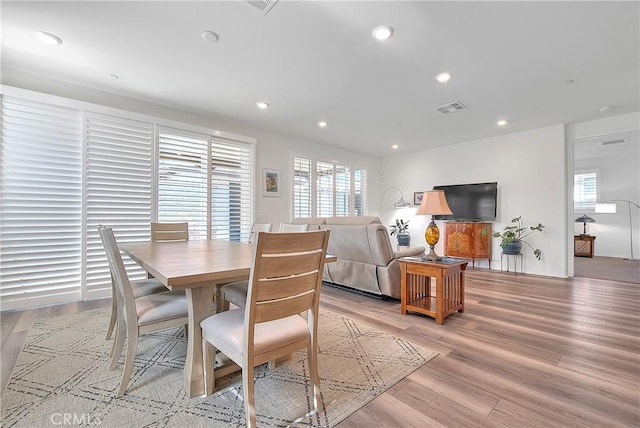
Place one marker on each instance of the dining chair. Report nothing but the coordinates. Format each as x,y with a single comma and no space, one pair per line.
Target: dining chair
285,280
166,232
145,314
289,227
258,227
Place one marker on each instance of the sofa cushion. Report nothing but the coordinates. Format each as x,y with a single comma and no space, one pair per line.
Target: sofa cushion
363,220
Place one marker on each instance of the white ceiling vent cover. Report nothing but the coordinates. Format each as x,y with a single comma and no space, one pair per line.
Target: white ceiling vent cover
612,142
263,5
451,107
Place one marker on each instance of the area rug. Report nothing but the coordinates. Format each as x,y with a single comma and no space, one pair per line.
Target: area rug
62,377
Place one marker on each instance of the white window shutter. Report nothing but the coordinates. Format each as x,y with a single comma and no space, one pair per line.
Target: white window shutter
41,210
231,190
118,192
182,179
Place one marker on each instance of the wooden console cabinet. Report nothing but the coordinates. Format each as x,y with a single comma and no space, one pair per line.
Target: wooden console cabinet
471,240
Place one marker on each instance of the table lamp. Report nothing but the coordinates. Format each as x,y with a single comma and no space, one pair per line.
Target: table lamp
585,219
433,203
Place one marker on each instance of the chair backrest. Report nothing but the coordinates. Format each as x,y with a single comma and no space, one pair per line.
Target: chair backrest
166,232
286,277
118,272
289,227
258,227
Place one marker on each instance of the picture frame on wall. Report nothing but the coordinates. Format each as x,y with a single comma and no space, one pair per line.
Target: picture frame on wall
417,198
271,182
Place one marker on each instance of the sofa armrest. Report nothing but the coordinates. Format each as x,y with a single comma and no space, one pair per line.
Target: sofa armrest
409,252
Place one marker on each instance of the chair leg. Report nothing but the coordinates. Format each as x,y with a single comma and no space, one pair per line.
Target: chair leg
247,386
118,343
132,347
114,315
312,355
208,361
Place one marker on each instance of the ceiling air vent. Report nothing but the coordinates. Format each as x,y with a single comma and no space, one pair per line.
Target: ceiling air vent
451,107
263,5
612,142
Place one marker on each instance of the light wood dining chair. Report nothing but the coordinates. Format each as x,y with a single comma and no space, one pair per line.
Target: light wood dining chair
258,227
166,232
289,227
139,316
285,281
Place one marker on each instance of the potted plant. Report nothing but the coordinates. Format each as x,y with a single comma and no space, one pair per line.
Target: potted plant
400,230
513,236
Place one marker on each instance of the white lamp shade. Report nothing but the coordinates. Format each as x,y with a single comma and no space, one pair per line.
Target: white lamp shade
606,208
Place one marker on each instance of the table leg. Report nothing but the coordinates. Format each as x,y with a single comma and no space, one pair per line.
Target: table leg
403,288
440,298
462,284
199,300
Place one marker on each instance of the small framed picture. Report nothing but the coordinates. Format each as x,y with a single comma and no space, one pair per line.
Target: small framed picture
270,182
417,198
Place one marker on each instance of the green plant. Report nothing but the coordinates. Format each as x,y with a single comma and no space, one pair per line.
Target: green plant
517,232
400,227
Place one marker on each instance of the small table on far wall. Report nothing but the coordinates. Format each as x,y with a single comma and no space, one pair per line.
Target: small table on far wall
416,295
583,245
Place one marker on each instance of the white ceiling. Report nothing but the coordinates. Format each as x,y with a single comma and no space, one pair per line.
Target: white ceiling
316,60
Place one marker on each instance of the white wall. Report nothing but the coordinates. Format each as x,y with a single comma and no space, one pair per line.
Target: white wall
619,179
530,169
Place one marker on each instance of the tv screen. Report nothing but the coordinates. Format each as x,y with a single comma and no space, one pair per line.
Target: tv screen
470,202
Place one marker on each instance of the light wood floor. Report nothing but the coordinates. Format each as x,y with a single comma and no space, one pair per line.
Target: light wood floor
528,352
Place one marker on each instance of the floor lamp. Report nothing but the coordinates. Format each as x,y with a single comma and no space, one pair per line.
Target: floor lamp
608,207
401,202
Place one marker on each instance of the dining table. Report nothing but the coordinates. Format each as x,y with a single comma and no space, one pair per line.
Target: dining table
200,268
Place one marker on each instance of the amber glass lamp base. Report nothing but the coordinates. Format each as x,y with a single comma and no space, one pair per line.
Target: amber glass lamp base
432,236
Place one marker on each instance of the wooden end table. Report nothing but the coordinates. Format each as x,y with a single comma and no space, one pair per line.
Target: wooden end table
416,296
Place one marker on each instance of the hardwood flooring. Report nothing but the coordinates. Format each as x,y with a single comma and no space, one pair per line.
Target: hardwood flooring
528,351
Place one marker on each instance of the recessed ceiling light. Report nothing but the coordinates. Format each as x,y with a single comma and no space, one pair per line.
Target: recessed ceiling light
394,146
501,122
396,124
383,32
569,82
262,105
443,77
210,36
48,38
322,124
605,109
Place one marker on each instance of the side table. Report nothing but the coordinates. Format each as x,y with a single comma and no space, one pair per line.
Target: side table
583,245
416,296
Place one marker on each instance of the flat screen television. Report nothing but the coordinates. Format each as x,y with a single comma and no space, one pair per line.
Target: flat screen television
470,202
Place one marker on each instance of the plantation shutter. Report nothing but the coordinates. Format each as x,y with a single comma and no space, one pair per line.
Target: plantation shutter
41,210
231,190
118,189
343,190
302,189
360,192
585,190
324,189
182,179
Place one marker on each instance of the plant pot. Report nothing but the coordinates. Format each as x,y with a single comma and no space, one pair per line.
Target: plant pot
512,247
404,240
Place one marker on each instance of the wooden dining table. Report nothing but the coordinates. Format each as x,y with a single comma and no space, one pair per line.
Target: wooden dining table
199,267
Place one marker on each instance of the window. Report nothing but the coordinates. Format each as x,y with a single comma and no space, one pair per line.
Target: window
65,170
585,190
41,203
327,189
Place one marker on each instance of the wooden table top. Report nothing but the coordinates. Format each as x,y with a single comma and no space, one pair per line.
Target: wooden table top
194,263
189,263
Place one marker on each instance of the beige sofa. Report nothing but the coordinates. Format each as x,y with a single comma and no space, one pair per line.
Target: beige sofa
367,260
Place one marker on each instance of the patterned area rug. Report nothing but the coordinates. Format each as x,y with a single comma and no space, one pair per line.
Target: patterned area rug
62,378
